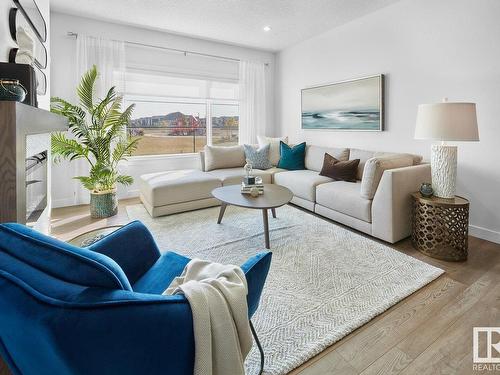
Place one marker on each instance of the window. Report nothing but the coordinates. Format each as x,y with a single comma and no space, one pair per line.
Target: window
225,123
176,115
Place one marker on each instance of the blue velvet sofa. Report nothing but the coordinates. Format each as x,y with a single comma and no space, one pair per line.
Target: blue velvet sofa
98,310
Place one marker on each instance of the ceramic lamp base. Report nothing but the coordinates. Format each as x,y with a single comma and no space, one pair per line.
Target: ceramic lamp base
444,170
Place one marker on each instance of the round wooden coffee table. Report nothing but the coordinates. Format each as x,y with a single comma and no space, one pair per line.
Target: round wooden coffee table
274,196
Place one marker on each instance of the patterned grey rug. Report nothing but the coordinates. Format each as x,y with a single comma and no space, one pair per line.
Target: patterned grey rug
325,281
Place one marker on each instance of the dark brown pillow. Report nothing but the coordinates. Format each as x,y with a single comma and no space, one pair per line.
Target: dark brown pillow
339,170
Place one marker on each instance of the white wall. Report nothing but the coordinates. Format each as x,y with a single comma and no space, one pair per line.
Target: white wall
428,50
63,66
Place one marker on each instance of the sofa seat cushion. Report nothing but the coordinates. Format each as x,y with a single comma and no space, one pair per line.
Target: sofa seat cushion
157,279
234,176
345,197
302,183
171,187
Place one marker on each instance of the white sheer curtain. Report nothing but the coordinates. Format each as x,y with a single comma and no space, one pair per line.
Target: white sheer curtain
253,112
109,58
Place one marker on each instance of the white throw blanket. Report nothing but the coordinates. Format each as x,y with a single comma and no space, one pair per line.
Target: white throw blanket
217,295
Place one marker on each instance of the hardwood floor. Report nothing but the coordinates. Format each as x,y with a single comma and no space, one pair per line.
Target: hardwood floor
430,332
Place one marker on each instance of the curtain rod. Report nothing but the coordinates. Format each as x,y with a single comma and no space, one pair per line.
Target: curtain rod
185,52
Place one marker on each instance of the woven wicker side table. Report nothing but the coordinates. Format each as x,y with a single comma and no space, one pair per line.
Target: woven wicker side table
440,227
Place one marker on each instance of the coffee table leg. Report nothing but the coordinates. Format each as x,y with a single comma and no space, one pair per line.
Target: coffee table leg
221,212
273,210
266,227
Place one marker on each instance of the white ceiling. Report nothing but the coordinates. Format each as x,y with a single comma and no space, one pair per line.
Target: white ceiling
232,21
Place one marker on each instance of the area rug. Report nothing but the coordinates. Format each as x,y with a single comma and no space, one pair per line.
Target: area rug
325,281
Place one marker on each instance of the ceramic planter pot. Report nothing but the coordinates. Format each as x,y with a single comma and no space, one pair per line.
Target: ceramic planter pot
103,204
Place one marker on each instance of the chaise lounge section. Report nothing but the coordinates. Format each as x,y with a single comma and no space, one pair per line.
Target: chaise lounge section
378,203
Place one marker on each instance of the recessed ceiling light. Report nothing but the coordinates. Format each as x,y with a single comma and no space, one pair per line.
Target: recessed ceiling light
266,28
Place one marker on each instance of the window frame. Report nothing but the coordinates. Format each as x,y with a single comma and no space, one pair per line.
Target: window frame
208,102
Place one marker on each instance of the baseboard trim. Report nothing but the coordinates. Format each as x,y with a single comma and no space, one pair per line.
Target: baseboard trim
131,194
64,202
484,233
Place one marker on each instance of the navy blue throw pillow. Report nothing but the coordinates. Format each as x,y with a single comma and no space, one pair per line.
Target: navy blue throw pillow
292,158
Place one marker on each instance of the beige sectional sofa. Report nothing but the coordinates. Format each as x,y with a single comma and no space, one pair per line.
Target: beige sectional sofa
378,204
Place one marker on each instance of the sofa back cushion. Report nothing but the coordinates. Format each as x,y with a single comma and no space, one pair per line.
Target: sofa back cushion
374,169
315,156
274,147
416,159
61,260
364,155
223,157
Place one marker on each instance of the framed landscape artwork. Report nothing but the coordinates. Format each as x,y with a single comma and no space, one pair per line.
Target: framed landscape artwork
356,105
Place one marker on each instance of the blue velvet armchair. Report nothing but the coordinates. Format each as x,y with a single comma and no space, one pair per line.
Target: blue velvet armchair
98,310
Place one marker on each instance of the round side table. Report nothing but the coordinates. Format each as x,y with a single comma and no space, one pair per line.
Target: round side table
94,235
440,227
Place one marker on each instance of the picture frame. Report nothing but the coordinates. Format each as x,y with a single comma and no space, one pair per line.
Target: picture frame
349,105
32,13
18,19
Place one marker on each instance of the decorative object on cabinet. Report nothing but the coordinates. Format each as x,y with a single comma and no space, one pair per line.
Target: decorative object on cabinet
11,89
26,76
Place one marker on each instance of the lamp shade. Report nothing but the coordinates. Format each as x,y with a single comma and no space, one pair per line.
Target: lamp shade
447,122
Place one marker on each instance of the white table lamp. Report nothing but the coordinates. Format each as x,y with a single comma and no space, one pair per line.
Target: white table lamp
446,122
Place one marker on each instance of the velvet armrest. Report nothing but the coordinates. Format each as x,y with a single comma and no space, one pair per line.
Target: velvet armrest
132,247
256,269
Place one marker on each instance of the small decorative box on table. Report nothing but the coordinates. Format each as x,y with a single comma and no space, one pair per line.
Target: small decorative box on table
440,227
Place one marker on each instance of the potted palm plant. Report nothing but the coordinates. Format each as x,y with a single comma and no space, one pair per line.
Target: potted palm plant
98,135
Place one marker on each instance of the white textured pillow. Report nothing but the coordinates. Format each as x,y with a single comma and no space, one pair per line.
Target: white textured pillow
274,143
224,157
375,167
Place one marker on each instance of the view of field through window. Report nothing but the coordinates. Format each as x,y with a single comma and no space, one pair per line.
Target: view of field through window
176,127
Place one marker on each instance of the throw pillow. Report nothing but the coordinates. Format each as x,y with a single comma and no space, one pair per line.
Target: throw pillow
292,158
375,167
223,157
339,170
274,143
259,157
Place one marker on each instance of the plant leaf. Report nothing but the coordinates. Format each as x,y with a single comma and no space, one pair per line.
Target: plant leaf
86,89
